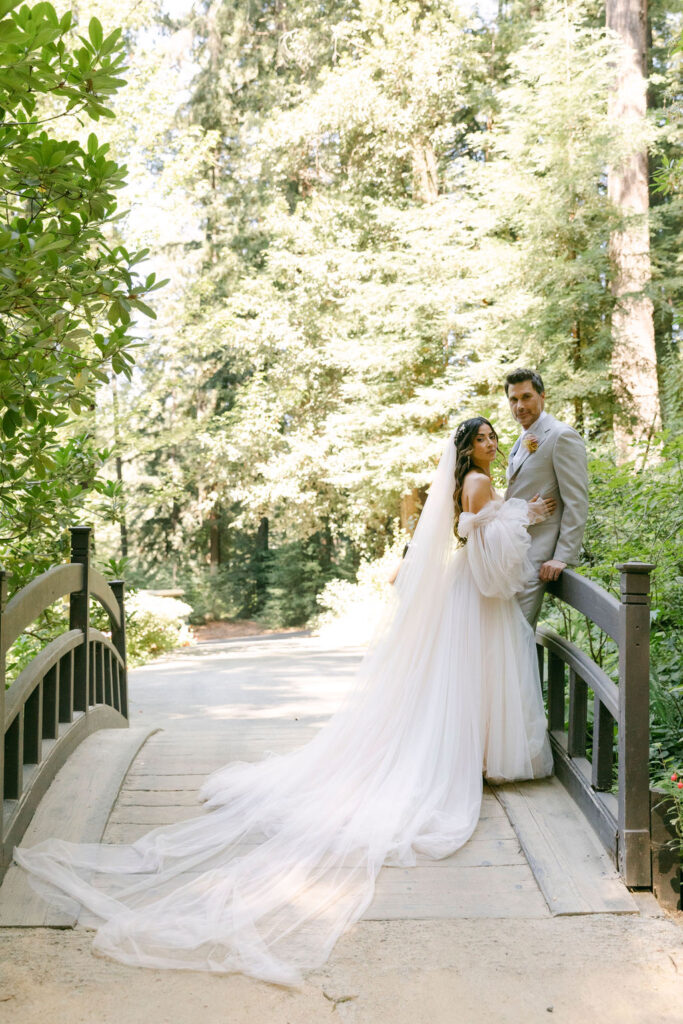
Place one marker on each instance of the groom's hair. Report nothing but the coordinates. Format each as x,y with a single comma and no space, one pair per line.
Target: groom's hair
521,374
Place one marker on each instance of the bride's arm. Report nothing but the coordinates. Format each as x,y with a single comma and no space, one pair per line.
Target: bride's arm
497,546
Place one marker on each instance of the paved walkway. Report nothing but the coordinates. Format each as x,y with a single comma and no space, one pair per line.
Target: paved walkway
471,939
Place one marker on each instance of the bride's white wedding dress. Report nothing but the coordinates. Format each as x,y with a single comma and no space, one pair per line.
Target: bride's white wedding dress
287,855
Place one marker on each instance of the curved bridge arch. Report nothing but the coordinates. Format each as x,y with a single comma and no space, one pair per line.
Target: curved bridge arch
75,685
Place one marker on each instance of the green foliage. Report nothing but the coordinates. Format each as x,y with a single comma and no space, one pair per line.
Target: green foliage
635,514
154,626
668,173
350,609
670,784
296,575
67,292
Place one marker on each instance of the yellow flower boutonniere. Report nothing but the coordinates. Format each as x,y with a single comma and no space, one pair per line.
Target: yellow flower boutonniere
530,443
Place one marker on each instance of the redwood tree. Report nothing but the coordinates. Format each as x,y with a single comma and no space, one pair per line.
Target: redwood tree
634,361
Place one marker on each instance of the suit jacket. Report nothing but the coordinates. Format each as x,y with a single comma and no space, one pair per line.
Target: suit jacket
557,469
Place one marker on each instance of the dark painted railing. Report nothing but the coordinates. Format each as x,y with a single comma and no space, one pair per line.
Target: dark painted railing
76,684
623,820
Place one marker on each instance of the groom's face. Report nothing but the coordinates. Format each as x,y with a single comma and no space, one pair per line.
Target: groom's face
526,405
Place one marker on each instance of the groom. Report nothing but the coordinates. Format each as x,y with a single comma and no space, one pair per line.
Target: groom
549,458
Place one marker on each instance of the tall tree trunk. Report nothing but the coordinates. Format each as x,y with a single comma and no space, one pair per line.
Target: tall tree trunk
214,541
634,361
123,525
425,175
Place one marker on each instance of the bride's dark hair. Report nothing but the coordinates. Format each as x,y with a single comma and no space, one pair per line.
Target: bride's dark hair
464,445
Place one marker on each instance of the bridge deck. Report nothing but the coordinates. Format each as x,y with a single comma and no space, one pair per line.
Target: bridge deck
533,855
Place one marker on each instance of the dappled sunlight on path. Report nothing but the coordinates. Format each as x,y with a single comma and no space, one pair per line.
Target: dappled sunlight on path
297,680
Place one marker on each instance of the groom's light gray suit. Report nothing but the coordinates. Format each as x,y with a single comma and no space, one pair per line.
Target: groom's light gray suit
557,469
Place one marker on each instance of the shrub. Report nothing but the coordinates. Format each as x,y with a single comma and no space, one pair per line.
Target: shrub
671,783
154,626
350,611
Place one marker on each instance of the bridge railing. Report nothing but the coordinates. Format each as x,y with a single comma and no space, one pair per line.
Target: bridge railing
76,684
623,820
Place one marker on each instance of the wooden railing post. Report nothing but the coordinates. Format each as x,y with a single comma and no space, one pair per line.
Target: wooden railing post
634,725
79,618
118,638
3,655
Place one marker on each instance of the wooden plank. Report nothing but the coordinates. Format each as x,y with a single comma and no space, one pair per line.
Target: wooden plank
590,599
493,828
76,808
633,737
50,710
125,834
482,853
423,893
179,766
164,782
578,715
100,589
602,764
28,603
130,832
66,687
156,798
33,726
556,686
572,869
153,816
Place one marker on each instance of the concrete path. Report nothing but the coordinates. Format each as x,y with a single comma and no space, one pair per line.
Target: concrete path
470,939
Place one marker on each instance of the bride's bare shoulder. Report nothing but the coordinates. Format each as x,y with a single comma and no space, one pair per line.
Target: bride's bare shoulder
476,491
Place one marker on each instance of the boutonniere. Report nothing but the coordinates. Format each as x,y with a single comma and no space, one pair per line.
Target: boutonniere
530,443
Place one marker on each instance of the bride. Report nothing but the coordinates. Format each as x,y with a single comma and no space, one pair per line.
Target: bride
286,858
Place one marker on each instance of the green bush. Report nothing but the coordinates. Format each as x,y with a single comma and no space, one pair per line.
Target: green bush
671,783
154,626
212,595
295,578
349,610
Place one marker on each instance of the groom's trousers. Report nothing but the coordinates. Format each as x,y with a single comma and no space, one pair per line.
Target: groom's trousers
531,599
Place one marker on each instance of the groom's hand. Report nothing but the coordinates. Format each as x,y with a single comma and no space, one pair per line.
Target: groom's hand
551,570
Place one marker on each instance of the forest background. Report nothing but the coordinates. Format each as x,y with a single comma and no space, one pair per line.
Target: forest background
364,212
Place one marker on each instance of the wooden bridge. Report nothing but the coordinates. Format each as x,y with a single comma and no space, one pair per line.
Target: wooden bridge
579,843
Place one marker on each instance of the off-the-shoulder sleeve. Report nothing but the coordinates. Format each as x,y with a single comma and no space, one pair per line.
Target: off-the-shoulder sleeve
497,546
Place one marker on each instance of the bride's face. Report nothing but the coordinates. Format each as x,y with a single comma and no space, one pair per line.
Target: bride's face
484,446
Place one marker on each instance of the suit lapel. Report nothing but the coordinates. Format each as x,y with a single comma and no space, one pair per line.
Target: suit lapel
511,456
541,433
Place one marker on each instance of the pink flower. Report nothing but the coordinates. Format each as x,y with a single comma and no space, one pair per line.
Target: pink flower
530,443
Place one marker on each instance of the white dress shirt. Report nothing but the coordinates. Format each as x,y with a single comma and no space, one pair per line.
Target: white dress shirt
521,450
